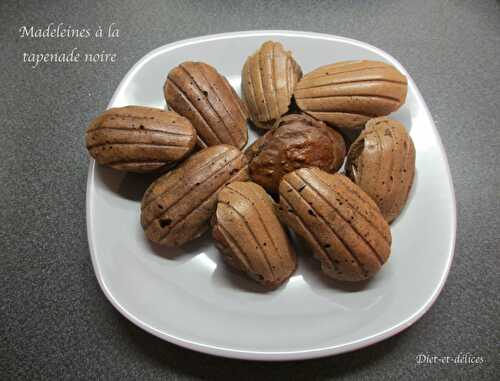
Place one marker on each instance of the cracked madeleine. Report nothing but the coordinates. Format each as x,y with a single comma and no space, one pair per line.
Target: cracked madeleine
296,141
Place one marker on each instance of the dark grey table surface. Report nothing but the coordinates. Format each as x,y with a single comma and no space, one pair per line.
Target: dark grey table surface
55,322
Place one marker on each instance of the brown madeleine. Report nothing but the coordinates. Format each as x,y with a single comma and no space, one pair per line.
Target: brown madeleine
177,207
341,223
297,141
197,91
139,139
382,162
250,236
348,94
268,79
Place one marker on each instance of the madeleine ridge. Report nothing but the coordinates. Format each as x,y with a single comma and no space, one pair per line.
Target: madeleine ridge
268,79
197,91
341,223
250,236
139,139
177,207
382,162
347,94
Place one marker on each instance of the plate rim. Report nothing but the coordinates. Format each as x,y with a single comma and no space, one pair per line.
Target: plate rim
269,355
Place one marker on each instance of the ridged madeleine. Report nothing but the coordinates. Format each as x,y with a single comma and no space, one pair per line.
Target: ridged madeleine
341,223
197,91
382,162
139,139
268,79
347,94
250,236
177,207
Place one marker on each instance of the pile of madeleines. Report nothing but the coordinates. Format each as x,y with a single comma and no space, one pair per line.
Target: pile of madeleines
287,177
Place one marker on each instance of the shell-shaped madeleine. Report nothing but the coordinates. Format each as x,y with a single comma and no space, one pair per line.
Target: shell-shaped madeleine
197,91
297,141
382,162
250,236
348,94
177,207
268,79
341,223
139,139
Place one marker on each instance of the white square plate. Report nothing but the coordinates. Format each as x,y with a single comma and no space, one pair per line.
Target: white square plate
188,296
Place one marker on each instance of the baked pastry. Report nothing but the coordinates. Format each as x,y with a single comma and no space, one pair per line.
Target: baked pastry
347,94
197,91
268,79
297,141
382,162
177,207
250,236
139,139
341,223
